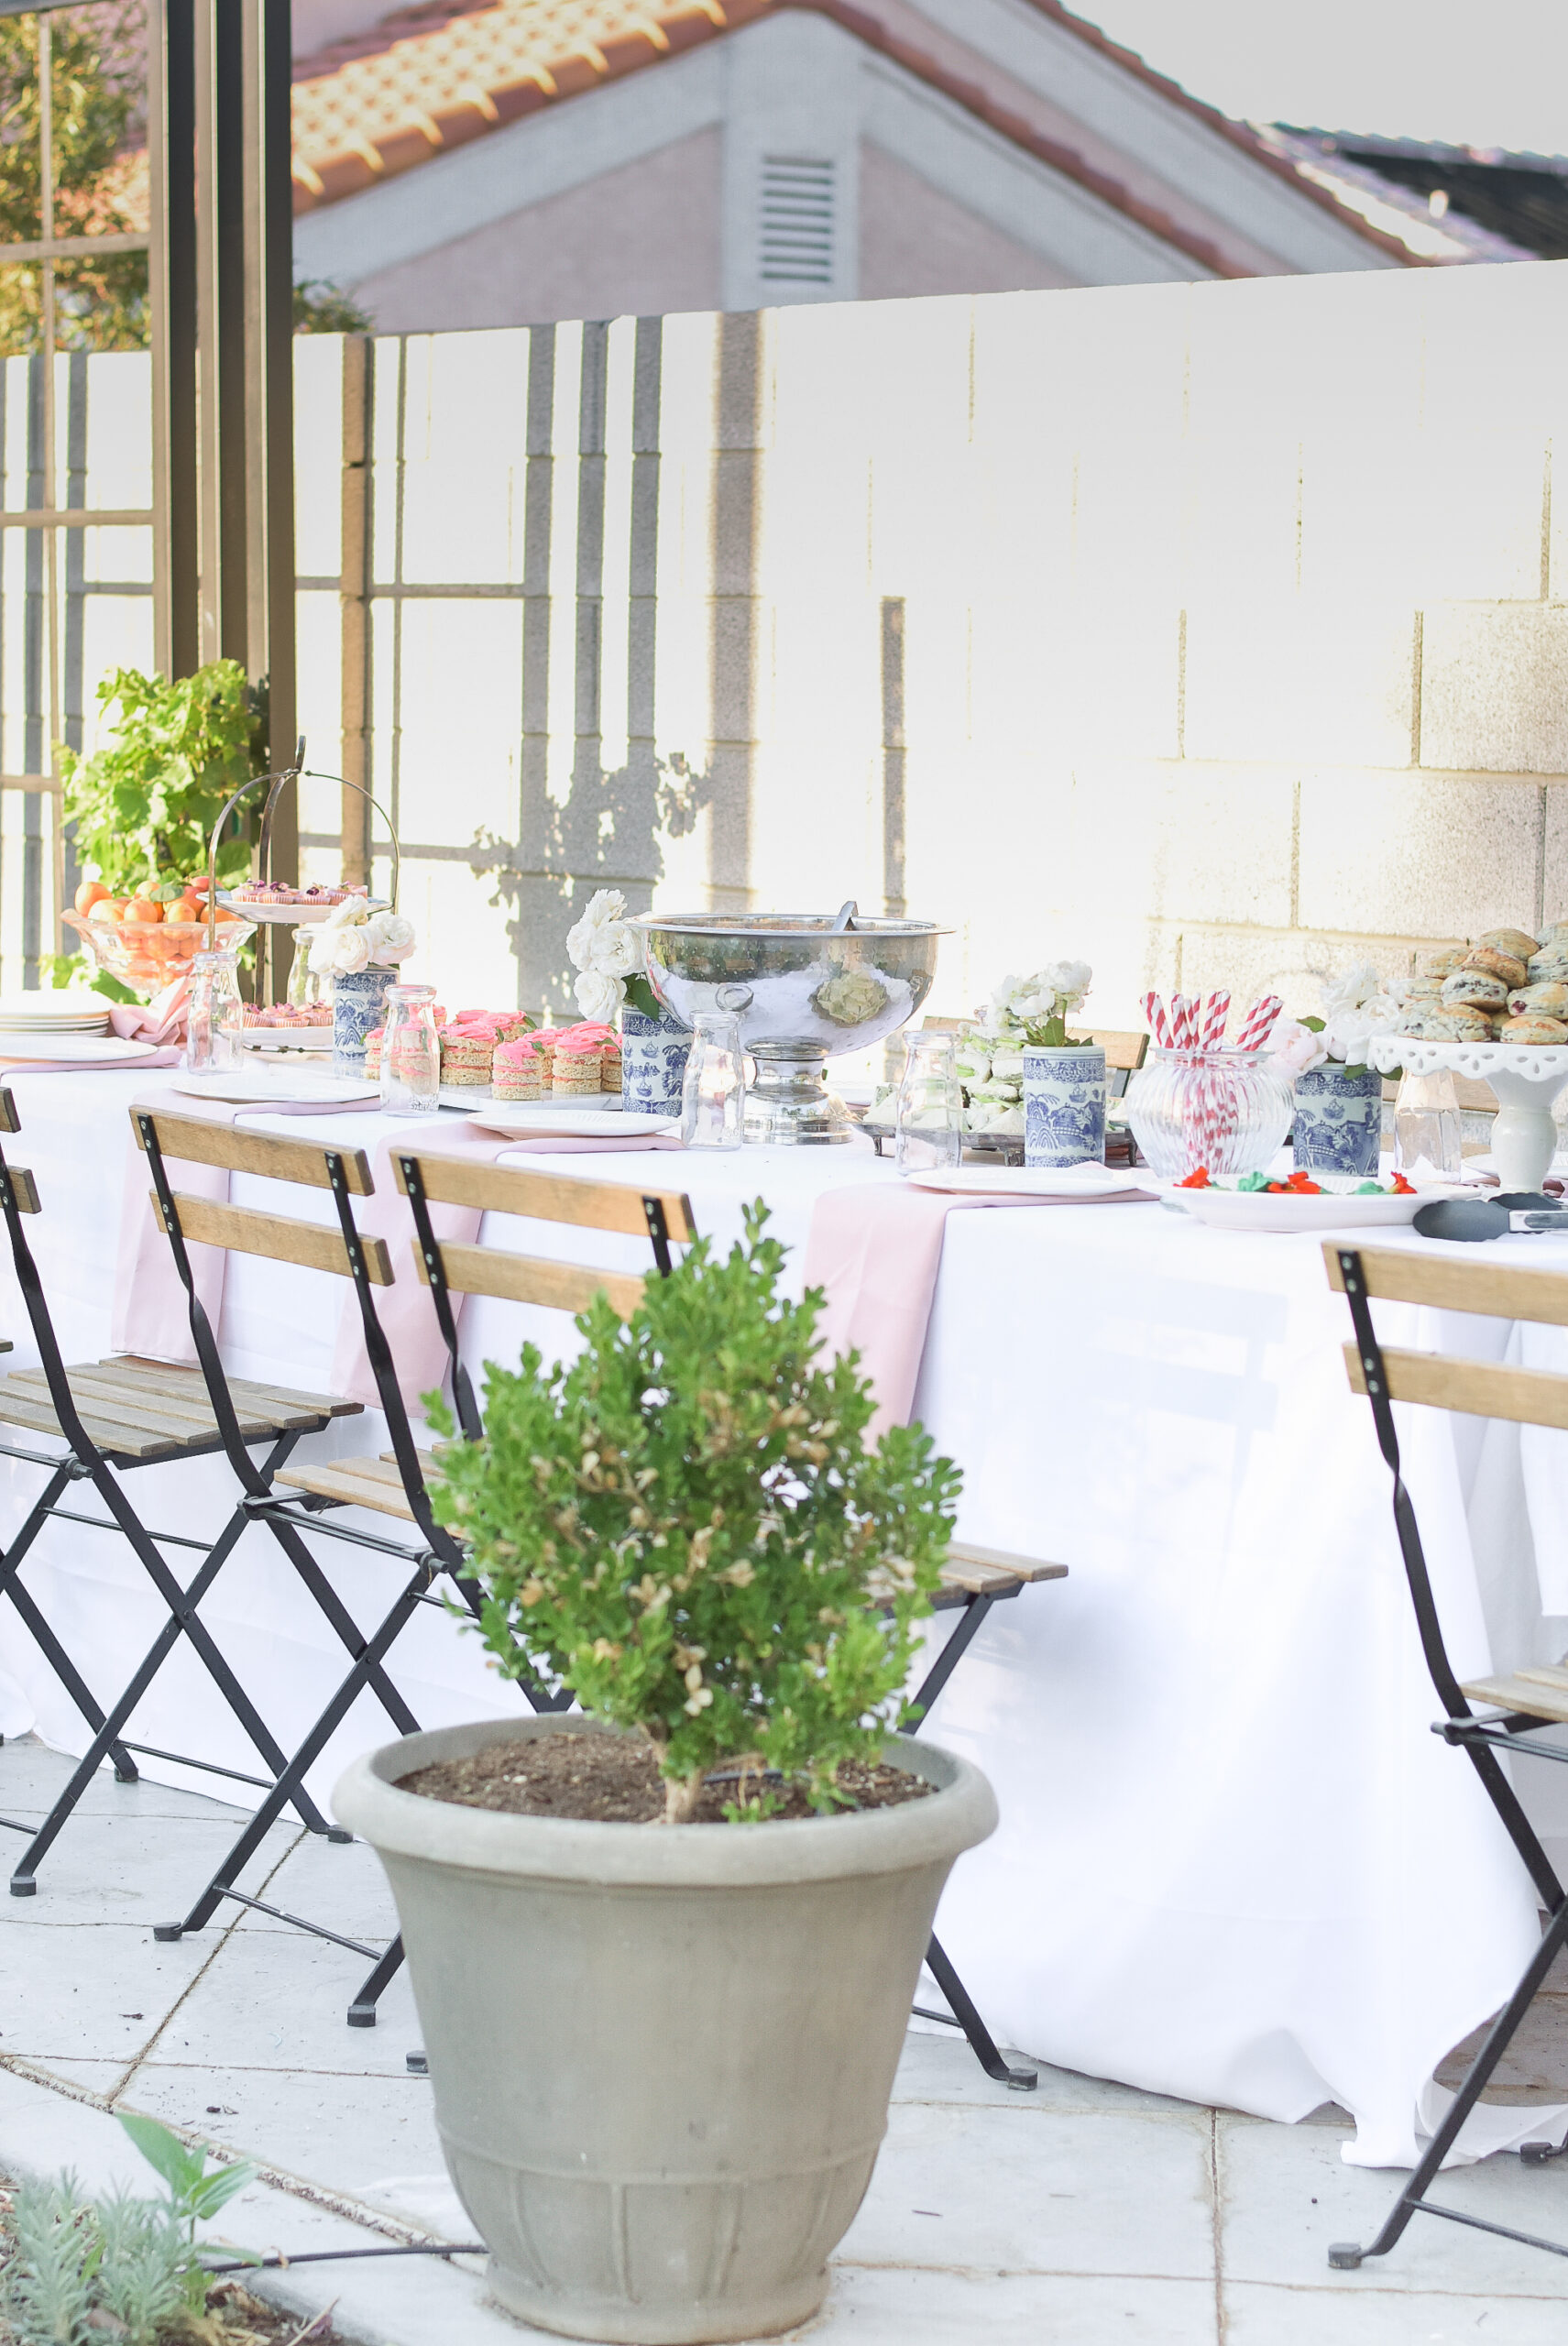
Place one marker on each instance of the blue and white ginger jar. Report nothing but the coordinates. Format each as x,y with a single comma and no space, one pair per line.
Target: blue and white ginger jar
358,1007
653,1054
1339,1121
1064,1104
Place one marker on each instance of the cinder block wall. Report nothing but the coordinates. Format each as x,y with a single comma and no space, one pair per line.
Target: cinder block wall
1213,633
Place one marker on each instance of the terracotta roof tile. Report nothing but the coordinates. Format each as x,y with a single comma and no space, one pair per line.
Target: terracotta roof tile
442,72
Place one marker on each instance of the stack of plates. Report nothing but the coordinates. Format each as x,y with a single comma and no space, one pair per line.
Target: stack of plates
32,1015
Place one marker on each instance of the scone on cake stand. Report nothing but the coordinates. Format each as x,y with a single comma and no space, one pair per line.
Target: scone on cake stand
1526,1078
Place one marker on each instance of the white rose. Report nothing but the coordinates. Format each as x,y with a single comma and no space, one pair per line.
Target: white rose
605,907
1346,1036
1069,980
1351,988
598,995
348,913
388,938
1383,1015
617,952
352,950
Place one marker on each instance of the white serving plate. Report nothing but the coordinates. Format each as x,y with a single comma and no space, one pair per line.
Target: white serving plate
274,1040
295,915
242,1087
529,1119
1257,1210
1085,1184
92,1050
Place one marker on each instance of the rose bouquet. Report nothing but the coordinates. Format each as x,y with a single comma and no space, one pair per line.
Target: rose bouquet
1357,1005
353,937
609,957
990,1050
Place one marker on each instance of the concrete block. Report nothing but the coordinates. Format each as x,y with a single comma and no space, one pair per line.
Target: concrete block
318,455
1298,348
472,733
1425,517
1185,842
1421,855
463,448
1054,367
935,530
1554,863
1287,678
1494,688
1496,347
1290,962
1240,527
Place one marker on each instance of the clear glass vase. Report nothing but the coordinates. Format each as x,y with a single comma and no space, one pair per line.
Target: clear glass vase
216,1014
1227,1111
930,1110
713,1091
411,1053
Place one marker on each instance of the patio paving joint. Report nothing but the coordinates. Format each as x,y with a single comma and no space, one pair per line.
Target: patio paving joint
1221,2321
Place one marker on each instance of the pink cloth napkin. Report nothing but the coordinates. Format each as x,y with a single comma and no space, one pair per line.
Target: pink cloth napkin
149,1315
406,1310
877,1249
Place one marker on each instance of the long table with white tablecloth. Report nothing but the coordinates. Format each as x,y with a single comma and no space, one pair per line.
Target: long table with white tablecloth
1233,1864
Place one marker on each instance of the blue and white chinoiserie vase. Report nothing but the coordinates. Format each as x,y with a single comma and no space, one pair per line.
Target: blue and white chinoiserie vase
653,1054
1339,1121
358,1007
1064,1104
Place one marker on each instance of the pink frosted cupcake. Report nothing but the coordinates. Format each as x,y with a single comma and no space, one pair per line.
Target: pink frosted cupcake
609,1066
466,1055
544,1039
516,1072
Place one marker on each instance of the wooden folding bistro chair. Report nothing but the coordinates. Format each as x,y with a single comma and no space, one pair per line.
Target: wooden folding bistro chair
1532,1695
973,1579
114,1416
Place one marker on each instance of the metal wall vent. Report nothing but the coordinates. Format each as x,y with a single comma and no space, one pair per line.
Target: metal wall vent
796,224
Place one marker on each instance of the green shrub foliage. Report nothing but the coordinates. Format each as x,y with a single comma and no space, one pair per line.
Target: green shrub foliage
144,806
687,1526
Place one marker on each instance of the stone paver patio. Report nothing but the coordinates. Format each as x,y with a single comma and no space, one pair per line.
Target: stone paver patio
1084,2213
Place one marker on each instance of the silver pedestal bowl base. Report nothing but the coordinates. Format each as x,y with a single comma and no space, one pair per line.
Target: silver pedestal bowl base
789,1104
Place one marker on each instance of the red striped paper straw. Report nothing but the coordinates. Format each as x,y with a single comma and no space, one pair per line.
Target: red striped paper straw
1216,1010
1258,1023
1154,1014
1184,1023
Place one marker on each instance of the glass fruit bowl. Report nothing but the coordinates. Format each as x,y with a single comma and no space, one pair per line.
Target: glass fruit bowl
150,954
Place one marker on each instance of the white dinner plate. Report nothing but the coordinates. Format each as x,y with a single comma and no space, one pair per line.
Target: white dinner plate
530,1118
92,1050
293,914
286,1038
1086,1183
1257,1210
243,1087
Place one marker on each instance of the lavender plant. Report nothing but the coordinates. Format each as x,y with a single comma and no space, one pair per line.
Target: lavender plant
687,1527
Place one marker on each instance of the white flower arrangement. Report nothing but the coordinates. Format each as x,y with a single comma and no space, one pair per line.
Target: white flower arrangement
1357,1004
609,957
989,1054
353,937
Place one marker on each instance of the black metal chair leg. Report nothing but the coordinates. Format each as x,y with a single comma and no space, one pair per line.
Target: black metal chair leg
289,1778
38,1629
981,2043
1345,2256
362,2011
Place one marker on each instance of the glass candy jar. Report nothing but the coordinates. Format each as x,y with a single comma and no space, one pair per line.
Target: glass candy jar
1226,1111
216,1014
411,1053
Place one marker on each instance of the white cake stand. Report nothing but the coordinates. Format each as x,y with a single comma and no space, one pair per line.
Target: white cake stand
1526,1078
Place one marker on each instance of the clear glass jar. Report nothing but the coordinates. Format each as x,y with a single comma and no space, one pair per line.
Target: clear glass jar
929,1115
216,1015
306,988
1428,1136
713,1090
1226,1111
411,1053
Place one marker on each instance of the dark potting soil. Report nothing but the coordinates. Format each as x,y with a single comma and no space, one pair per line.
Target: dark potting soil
615,1781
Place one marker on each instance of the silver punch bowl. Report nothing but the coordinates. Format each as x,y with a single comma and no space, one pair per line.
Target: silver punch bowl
803,990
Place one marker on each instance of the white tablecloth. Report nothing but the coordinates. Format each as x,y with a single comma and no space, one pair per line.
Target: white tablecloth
1233,1864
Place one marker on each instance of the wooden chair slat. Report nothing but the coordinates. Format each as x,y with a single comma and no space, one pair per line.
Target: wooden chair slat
25,1189
197,1142
274,1404
9,1120
528,1278
1454,1282
277,1238
351,1481
1520,1694
119,1440
1023,1568
155,1413
1475,1388
548,1196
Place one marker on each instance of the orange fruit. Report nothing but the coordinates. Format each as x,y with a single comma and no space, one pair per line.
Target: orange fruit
144,973
196,887
91,892
184,908
223,913
144,908
107,908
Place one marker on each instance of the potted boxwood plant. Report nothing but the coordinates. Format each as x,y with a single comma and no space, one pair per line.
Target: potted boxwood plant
663,1950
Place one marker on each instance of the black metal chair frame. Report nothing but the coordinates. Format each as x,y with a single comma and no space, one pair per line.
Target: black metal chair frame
1483,1738
83,1460
972,1608
287,1516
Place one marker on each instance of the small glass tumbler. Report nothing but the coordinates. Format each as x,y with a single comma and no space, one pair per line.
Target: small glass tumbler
305,987
930,1111
216,1014
1427,1134
713,1090
411,1053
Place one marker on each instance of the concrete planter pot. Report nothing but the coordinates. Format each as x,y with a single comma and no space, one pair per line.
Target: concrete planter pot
662,2055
